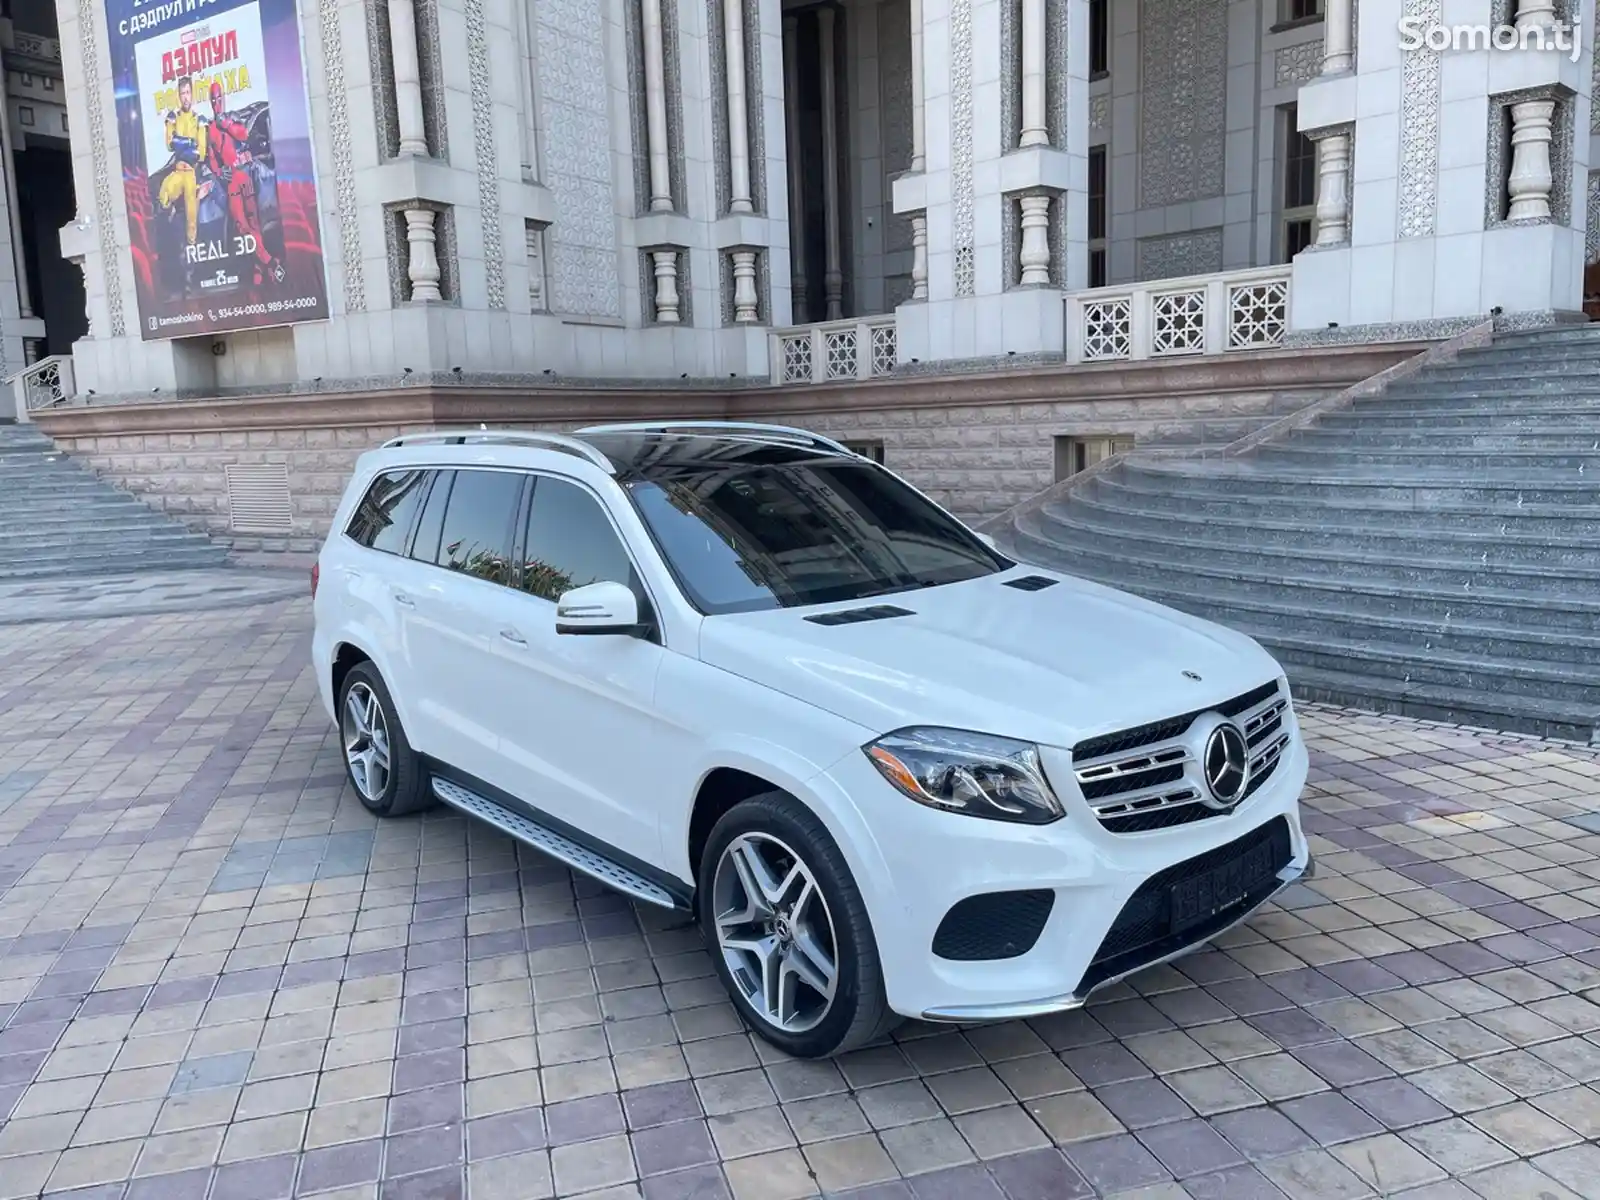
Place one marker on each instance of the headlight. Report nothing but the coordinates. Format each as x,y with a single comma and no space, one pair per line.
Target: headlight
972,773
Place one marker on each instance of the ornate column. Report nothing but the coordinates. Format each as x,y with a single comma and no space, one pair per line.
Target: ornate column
1333,188
655,101
1034,131
833,274
407,77
738,113
799,312
665,263
1531,178
919,135
919,256
1338,37
1535,14
746,301
1035,255
423,267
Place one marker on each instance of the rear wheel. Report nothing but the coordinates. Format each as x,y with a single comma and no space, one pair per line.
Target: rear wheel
789,934
386,773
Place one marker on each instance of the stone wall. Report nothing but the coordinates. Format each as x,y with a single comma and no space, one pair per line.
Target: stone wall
976,444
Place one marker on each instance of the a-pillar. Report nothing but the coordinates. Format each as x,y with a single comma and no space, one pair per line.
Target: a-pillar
1459,176
1004,86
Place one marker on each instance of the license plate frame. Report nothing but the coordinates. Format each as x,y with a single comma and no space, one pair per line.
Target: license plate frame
1207,894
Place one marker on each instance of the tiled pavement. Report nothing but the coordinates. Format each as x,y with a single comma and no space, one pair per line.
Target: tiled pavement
220,978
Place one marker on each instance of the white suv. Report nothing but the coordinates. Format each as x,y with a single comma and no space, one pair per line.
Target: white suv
742,671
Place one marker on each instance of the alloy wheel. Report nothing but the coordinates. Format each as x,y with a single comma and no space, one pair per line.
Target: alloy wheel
366,742
775,932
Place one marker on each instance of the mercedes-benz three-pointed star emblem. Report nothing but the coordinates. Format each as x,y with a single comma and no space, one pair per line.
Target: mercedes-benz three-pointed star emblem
1226,765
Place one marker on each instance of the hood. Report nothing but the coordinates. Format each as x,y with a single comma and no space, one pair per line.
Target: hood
1052,666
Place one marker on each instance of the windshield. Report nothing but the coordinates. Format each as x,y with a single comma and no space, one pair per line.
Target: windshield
746,536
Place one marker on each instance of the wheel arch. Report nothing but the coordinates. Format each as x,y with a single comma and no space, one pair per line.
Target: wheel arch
735,776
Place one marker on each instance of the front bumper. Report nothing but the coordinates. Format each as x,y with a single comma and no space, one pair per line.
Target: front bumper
1023,1009
927,862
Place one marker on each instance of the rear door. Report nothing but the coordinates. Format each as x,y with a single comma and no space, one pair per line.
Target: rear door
462,560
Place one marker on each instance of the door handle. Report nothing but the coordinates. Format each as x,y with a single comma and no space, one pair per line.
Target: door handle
404,600
512,636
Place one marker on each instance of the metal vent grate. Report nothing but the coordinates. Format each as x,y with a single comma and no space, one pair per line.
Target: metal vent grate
258,498
854,616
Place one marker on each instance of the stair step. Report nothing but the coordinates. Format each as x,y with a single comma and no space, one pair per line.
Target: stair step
1436,574
1476,461
1413,487
557,846
1531,520
1431,702
1135,572
1539,438
1265,616
1333,533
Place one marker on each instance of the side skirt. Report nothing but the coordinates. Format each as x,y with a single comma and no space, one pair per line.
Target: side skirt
568,846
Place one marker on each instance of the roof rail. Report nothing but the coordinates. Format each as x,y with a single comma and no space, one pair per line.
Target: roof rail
506,437
777,433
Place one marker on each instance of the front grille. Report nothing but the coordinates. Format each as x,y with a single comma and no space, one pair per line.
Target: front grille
1144,931
994,925
1149,777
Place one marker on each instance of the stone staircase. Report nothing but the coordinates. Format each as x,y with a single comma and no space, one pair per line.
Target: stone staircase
57,519
1432,551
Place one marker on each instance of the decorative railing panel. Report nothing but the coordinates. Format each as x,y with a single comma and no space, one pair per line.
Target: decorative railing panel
865,348
45,384
1175,318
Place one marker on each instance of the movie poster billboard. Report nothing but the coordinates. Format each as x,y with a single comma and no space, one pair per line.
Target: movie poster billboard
217,166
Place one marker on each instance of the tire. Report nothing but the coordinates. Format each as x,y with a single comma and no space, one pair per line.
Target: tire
780,831
403,786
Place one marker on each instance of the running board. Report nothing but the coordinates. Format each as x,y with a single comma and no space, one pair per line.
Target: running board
547,841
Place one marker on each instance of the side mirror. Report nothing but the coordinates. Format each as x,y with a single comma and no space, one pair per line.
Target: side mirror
988,541
599,608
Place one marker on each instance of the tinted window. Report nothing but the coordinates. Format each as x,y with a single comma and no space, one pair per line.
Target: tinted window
383,518
570,542
477,524
807,531
425,546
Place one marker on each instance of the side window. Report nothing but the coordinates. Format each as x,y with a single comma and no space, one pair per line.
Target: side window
425,546
383,518
476,538
570,542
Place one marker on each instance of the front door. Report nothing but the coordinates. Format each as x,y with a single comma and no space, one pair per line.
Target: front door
574,717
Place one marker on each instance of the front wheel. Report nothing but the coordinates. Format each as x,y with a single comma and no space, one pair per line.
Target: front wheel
788,932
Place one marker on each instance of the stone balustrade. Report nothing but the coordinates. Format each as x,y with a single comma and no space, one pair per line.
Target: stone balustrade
1169,318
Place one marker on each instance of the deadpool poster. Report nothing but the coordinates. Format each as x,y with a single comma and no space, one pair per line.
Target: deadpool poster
217,166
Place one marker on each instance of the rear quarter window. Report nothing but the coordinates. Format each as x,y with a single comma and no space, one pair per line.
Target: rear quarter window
383,517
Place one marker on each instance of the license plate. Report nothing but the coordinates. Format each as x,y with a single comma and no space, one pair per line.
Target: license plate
1203,896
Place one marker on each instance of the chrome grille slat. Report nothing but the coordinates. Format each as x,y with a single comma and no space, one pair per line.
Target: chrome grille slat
1144,775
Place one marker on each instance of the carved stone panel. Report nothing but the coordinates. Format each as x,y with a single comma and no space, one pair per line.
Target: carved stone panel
576,127
1183,115
1419,128
1178,254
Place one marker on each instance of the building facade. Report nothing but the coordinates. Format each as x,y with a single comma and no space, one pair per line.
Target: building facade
661,190
1034,229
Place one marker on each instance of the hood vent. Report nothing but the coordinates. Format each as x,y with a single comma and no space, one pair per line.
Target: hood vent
854,616
1031,583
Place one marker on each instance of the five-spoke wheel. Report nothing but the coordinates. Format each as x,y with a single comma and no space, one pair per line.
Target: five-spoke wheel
775,932
789,933
366,742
